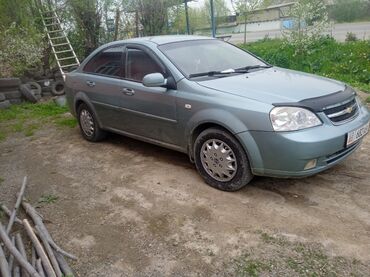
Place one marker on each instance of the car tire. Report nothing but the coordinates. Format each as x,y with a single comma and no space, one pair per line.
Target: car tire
221,160
89,126
57,88
28,93
14,94
5,104
9,83
35,87
15,101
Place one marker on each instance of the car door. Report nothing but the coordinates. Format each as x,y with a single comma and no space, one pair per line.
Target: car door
102,83
150,112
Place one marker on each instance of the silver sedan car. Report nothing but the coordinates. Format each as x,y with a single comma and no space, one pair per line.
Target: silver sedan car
235,115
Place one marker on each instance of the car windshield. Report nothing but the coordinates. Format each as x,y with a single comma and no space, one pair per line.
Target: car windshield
193,58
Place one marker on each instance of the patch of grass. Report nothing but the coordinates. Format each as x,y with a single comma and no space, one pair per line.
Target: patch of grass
266,238
251,267
30,130
348,62
28,117
18,126
48,199
67,122
32,111
308,259
276,256
1,180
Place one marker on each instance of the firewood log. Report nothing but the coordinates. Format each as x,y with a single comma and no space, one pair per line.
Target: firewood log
17,255
39,250
17,204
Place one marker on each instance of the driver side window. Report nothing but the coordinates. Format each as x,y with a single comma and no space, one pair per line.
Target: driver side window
139,64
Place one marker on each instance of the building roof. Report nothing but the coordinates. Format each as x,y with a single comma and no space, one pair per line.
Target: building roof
276,6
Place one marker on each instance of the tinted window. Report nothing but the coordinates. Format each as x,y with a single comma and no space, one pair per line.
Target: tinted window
207,55
139,64
107,62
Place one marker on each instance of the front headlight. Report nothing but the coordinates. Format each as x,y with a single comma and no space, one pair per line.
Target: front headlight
292,118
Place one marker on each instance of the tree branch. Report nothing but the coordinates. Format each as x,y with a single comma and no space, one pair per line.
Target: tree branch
17,255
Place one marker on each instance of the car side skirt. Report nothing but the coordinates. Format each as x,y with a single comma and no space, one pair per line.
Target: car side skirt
148,140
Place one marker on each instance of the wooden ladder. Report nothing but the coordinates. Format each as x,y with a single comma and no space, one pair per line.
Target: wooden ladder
61,47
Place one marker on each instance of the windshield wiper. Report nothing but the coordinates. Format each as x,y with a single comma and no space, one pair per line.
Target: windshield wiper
244,69
249,67
212,73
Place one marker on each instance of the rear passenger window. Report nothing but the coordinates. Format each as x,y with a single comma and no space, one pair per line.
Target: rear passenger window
108,62
139,64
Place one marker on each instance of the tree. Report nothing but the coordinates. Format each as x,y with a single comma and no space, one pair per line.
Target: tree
21,12
177,19
21,37
153,15
20,50
310,20
88,16
350,10
243,8
220,8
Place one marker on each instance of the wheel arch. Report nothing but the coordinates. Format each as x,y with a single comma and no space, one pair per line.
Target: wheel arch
197,130
81,98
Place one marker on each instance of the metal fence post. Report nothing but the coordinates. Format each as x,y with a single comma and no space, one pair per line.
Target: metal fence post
213,19
187,17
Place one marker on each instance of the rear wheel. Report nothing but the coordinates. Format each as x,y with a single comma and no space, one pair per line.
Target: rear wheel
221,160
89,126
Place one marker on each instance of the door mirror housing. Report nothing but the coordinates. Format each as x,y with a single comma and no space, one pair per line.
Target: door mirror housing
154,80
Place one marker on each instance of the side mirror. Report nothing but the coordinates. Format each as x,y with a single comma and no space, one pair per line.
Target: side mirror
154,80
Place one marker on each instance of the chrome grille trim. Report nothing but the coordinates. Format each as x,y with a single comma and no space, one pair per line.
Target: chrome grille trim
342,112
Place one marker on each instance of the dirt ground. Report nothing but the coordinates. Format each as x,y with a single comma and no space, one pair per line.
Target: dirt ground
127,208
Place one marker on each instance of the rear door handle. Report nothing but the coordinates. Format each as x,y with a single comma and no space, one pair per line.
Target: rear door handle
90,83
128,91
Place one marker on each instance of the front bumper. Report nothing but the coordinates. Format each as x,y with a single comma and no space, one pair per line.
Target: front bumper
285,154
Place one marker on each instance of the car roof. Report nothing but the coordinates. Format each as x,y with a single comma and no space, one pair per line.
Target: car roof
159,40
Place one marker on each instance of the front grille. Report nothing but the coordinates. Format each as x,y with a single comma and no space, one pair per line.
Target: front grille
342,112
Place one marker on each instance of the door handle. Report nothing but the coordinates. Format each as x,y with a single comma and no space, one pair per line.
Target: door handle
128,91
90,83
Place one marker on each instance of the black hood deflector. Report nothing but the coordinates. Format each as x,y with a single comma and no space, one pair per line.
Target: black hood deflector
318,104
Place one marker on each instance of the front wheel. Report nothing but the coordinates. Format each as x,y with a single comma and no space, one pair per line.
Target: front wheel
221,160
89,126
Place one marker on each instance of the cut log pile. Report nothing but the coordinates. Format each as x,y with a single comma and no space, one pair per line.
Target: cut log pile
30,251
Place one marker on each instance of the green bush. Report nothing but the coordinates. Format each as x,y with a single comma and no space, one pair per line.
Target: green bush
348,62
351,37
21,49
350,10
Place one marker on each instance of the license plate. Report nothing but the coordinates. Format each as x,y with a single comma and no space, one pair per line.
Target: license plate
355,135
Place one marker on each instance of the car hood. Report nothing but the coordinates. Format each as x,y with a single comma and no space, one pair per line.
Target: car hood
275,85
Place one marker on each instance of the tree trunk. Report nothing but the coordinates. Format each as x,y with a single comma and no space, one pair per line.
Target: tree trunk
116,27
